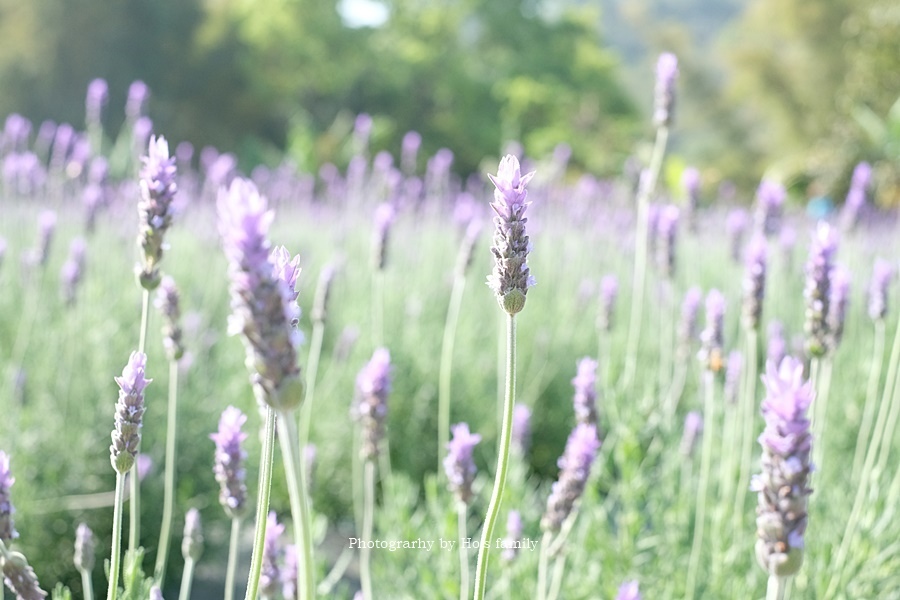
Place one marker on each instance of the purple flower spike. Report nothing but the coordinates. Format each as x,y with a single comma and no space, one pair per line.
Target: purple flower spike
373,384
458,464
711,337
667,232
664,93
687,326
229,461
384,218
263,295
754,284
138,92
84,548
817,292
856,195
510,278
290,572
882,275
513,535
126,437
769,206
192,541
777,346
736,226
521,429
270,577
609,291
157,180
168,302
575,467
782,486
733,376
837,305
7,510
585,383
97,96
629,591
693,427
20,577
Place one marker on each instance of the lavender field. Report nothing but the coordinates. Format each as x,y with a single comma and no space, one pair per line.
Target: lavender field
668,388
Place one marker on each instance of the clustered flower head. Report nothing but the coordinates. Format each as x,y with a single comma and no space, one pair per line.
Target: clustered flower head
782,487
837,305
666,233
7,510
126,437
84,548
736,227
158,187
585,384
270,575
817,290
882,275
521,429
510,278
664,92
609,290
575,467
770,198
229,461
263,295
373,384
458,464
384,218
192,541
20,577
168,303
95,100
711,342
754,284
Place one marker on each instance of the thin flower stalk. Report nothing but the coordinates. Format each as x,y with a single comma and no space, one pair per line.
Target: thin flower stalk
262,505
84,558
191,550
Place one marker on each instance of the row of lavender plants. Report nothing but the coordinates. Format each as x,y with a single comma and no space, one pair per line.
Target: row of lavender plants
381,471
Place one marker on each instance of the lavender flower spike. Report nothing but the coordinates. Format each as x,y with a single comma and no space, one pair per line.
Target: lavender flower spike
84,548
270,578
609,290
263,295
817,292
20,577
192,542
513,534
521,429
882,275
373,384
458,464
575,467
664,93
157,180
7,510
783,484
754,284
693,427
585,383
229,464
770,198
126,437
510,278
837,305
629,591
711,338
168,301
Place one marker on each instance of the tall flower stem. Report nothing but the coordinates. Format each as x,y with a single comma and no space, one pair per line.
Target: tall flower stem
502,461
378,307
776,587
640,255
115,559
187,579
543,559
134,499
87,585
290,450
262,504
747,408
159,572
232,558
461,514
312,369
709,413
865,427
446,368
823,387
365,555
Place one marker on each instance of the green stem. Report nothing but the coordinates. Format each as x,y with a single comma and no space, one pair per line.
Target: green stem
645,190
232,558
290,451
134,512
378,307
502,461
159,572
312,370
262,504
337,571
449,339
747,417
709,414
776,587
187,579
865,428
887,432
559,566
365,555
115,559
542,566
87,585
461,513
823,386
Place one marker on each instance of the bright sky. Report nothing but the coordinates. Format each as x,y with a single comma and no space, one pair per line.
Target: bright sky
363,13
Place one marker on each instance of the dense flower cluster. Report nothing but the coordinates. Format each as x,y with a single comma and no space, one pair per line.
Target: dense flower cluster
575,467
817,290
229,462
126,437
373,384
158,187
585,384
458,464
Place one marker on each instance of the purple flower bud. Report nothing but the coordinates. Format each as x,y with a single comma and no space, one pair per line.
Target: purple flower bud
585,383
168,302
609,290
270,577
20,577
666,232
157,181
777,346
693,427
192,541
362,128
156,593
373,385
664,93
97,96
458,464
736,226
229,461
687,326
839,296
84,548
72,270
882,275
817,291
126,437
513,535
783,484
290,572
711,342
138,92
754,284
384,218
412,141
7,510
575,467
140,132
770,198
629,591
521,429
510,278
323,292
